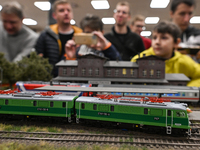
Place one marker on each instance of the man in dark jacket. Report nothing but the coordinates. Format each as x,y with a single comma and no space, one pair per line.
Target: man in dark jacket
51,43
127,43
181,12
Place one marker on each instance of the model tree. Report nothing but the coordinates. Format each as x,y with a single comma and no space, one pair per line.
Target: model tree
29,68
8,70
34,68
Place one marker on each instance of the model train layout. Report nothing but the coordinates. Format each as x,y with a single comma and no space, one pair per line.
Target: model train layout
140,112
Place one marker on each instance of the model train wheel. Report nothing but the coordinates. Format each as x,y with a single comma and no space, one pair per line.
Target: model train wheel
69,119
77,120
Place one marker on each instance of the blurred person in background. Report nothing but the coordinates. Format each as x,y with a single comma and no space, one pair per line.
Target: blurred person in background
126,42
137,25
92,24
181,11
51,43
165,40
16,40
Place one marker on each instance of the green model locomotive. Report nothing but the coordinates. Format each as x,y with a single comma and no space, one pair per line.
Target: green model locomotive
120,110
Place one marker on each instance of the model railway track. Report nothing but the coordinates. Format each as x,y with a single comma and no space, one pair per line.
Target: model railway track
196,108
196,125
148,141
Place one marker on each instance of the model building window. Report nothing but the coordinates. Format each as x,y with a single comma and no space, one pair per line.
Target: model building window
153,62
97,71
144,72
108,72
149,62
83,71
72,71
132,72
90,71
158,73
116,72
64,71
151,73
124,71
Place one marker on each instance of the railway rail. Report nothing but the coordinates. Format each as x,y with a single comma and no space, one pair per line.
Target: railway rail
156,142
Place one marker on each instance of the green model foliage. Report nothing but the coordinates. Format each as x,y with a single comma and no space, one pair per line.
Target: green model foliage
34,68
29,68
8,70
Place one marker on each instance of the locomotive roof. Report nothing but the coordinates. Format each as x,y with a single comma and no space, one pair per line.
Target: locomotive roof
138,103
106,89
32,96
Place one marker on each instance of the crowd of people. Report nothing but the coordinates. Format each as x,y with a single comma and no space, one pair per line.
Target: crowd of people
123,42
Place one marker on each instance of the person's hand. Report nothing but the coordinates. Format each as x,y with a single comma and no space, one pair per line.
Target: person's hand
41,55
102,41
70,49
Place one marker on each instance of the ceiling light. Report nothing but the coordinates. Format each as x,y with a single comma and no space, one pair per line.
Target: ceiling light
45,6
195,19
145,33
29,21
100,4
72,22
0,7
108,20
159,3
152,20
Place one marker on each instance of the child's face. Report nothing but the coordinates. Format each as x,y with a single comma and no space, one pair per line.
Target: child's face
163,44
87,30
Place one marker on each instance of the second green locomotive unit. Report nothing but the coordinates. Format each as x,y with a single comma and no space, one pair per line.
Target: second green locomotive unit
169,116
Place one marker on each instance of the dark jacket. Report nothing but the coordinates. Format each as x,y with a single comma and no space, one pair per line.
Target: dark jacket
50,45
130,46
190,37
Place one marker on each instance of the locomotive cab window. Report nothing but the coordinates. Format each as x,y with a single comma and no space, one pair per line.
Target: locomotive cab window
180,114
145,110
83,106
